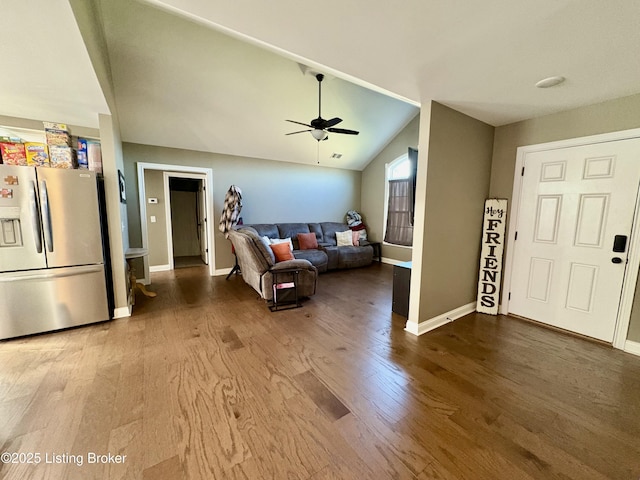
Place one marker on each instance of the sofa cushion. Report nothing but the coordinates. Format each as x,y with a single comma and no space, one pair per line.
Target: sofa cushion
318,258
332,256
317,229
265,229
352,257
282,252
307,241
292,230
329,230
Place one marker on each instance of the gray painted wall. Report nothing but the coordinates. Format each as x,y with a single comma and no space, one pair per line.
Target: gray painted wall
90,26
156,231
373,188
457,183
611,116
272,191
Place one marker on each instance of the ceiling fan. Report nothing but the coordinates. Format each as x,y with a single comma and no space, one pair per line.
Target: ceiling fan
319,127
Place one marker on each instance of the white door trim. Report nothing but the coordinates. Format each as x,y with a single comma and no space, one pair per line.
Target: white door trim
167,207
631,272
175,171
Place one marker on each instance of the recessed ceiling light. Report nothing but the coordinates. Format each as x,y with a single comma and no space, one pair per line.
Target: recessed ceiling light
550,82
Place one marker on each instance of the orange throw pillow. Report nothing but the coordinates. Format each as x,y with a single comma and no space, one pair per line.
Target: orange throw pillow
282,252
307,241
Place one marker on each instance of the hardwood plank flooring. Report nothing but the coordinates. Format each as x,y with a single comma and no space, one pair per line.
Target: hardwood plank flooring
204,382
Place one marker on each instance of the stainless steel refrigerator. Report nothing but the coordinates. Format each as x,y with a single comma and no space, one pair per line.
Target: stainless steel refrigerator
52,272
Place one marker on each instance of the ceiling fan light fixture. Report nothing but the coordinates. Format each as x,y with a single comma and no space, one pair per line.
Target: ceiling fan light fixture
319,134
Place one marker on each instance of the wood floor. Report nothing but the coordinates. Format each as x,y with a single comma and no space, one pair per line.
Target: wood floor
187,261
203,382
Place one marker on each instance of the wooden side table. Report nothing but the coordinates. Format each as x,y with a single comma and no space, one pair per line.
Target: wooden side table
129,256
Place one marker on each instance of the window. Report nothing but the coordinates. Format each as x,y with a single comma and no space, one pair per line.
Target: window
399,200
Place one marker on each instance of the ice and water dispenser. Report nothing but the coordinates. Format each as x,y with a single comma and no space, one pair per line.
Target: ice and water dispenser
10,234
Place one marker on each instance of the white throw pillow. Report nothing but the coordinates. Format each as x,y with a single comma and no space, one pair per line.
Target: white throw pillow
344,239
282,240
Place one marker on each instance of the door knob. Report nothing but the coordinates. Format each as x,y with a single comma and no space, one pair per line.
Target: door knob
616,260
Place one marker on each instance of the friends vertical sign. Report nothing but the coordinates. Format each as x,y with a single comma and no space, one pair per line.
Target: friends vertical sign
495,216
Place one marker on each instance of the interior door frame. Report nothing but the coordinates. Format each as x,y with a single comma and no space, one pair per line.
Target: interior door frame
175,170
167,175
631,272
201,198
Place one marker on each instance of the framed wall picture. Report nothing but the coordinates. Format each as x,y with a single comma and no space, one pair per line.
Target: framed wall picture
121,185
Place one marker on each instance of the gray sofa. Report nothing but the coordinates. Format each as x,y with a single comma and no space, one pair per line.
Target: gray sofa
328,256
257,264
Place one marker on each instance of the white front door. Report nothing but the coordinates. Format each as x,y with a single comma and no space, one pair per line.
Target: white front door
573,204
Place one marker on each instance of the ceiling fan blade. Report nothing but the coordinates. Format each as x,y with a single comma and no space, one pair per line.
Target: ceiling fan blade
299,123
299,131
332,122
342,130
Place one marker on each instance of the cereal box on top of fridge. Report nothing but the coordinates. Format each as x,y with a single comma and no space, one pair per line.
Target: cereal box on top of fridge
94,155
83,160
9,139
60,157
57,134
37,154
57,137
13,153
55,126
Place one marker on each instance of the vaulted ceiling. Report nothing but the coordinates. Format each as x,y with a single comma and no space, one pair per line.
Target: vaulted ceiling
180,83
223,76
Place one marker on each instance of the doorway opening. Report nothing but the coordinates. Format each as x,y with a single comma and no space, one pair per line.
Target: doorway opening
187,212
186,208
157,225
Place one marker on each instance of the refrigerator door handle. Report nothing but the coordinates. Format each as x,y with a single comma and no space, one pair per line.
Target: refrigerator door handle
46,215
46,276
35,217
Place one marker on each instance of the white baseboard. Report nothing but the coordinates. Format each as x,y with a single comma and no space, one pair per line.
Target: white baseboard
122,312
632,347
435,322
222,271
159,268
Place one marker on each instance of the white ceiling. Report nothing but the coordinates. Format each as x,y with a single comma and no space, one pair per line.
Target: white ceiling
46,72
179,82
482,58
183,84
